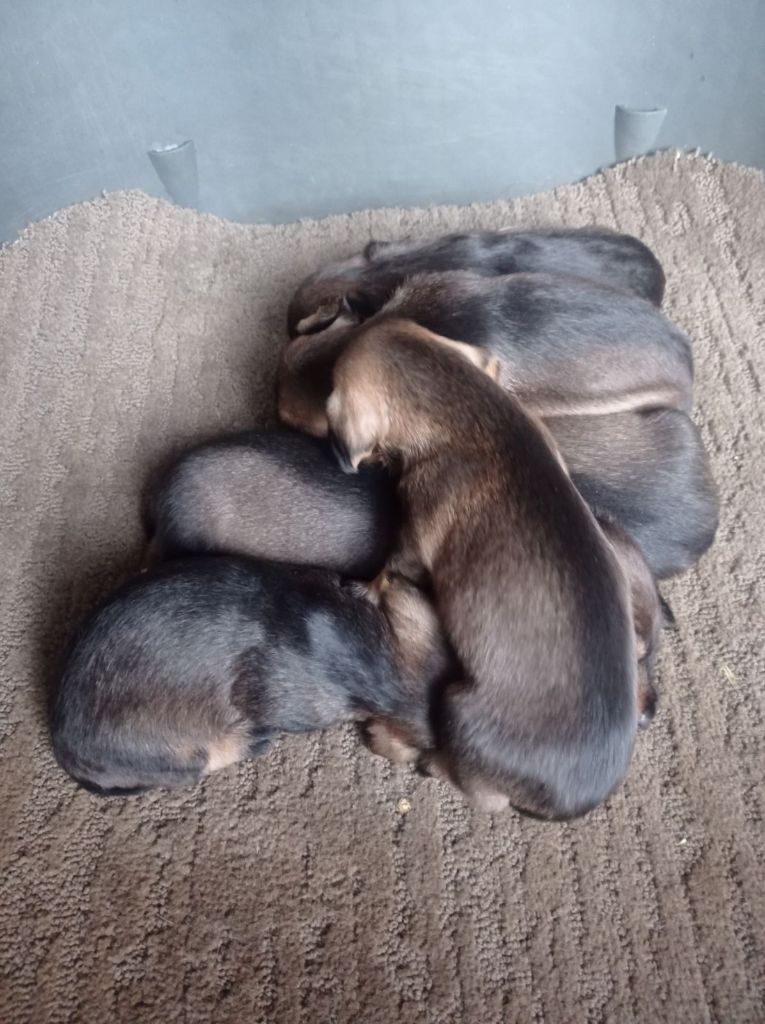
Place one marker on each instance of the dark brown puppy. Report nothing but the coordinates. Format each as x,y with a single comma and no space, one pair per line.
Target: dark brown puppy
420,640
569,347
366,281
649,472
202,663
566,346
274,494
530,592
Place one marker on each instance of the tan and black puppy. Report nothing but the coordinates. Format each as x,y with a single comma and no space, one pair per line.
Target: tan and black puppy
201,663
274,494
366,281
650,473
529,590
279,494
422,645
566,346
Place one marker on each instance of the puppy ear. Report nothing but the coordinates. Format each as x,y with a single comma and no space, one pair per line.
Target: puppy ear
355,432
322,318
377,587
479,357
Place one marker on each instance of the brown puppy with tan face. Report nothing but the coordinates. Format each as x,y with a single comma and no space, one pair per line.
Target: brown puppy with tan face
565,347
529,590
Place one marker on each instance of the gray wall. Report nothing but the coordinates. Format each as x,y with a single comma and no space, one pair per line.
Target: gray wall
307,107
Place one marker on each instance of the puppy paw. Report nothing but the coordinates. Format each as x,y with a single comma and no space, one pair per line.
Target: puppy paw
385,741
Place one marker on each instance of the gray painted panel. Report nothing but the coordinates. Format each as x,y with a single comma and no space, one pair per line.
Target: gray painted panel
308,107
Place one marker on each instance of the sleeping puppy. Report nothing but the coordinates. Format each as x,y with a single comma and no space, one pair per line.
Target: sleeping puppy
274,494
650,473
419,639
566,346
365,282
280,495
204,662
529,590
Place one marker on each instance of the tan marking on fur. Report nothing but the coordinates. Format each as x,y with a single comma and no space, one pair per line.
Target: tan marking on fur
489,800
298,409
377,587
301,417
390,740
631,402
227,750
480,358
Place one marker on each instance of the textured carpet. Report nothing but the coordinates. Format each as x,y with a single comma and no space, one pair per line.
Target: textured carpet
300,888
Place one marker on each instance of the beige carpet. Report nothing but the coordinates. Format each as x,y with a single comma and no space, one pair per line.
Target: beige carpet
299,888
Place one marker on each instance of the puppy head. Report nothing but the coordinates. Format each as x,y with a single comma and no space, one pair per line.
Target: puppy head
386,398
304,377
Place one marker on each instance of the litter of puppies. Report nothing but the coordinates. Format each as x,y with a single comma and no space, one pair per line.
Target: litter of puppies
486,465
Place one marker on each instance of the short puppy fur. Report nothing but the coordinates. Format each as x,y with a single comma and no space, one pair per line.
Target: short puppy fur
566,346
366,281
563,346
200,663
650,473
279,494
529,590
274,494
421,642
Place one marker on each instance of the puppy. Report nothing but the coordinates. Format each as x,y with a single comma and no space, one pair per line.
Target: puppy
280,495
201,663
420,641
648,472
566,346
563,345
365,282
529,590
274,494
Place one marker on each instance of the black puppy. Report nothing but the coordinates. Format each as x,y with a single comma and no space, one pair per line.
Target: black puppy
274,494
648,471
201,663
367,280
